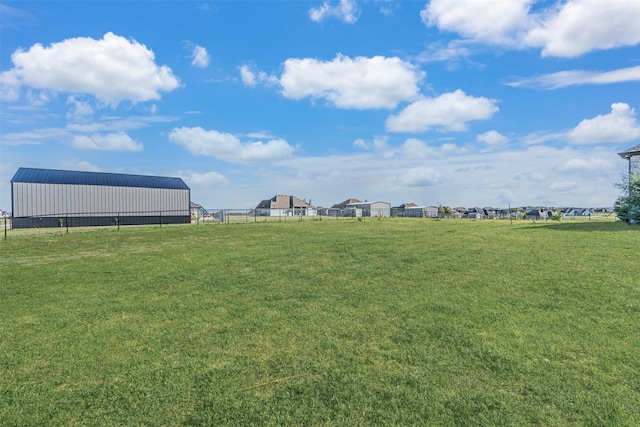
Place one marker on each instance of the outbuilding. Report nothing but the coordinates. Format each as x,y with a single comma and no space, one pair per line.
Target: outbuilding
370,209
58,198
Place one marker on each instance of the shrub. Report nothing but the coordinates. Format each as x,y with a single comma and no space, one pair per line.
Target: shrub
627,206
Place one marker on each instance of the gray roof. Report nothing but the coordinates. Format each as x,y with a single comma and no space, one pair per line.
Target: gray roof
282,201
633,151
344,204
51,176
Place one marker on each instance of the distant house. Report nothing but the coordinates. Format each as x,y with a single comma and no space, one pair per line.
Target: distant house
283,205
340,209
536,214
344,204
576,212
505,213
475,213
411,210
197,211
605,211
370,209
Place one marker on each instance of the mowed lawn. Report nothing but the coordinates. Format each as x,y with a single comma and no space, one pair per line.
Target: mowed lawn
392,322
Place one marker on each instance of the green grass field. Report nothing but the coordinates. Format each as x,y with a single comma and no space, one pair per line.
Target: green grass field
392,322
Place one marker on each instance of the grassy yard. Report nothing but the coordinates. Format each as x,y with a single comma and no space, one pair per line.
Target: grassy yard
392,322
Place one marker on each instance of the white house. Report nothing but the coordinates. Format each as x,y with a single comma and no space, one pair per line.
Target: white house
283,205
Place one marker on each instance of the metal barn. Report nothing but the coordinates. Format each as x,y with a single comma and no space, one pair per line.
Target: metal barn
59,198
372,209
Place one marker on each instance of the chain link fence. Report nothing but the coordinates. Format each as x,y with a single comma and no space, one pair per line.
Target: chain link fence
200,216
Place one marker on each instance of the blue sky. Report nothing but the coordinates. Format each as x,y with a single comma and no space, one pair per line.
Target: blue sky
453,102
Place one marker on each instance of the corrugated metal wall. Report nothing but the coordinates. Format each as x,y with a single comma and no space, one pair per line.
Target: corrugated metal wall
31,199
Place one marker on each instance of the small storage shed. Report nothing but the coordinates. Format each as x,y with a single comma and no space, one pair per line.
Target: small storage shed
58,198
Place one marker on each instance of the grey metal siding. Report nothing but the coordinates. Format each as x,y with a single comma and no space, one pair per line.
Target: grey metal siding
56,199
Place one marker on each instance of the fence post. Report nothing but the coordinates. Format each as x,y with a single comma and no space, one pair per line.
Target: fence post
5,228
160,219
66,222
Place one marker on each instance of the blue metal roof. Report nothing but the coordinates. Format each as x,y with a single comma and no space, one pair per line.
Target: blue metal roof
51,176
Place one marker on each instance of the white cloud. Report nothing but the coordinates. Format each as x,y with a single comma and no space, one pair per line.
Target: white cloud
492,138
112,69
542,137
578,77
530,176
450,112
111,142
580,26
200,57
378,145
204,179
590,165
105,125
359,83
250,78
86,166
420,177
262,134
493,21
566,29
387,7
505,197
79,111
347,11
416,149
360,143
618,126
9,86
470,177
563,186
452,52
228,147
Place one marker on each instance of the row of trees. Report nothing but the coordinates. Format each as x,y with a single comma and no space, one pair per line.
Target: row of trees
627,207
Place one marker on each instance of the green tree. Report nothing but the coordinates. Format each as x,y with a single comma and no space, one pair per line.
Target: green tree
445,211
627,206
